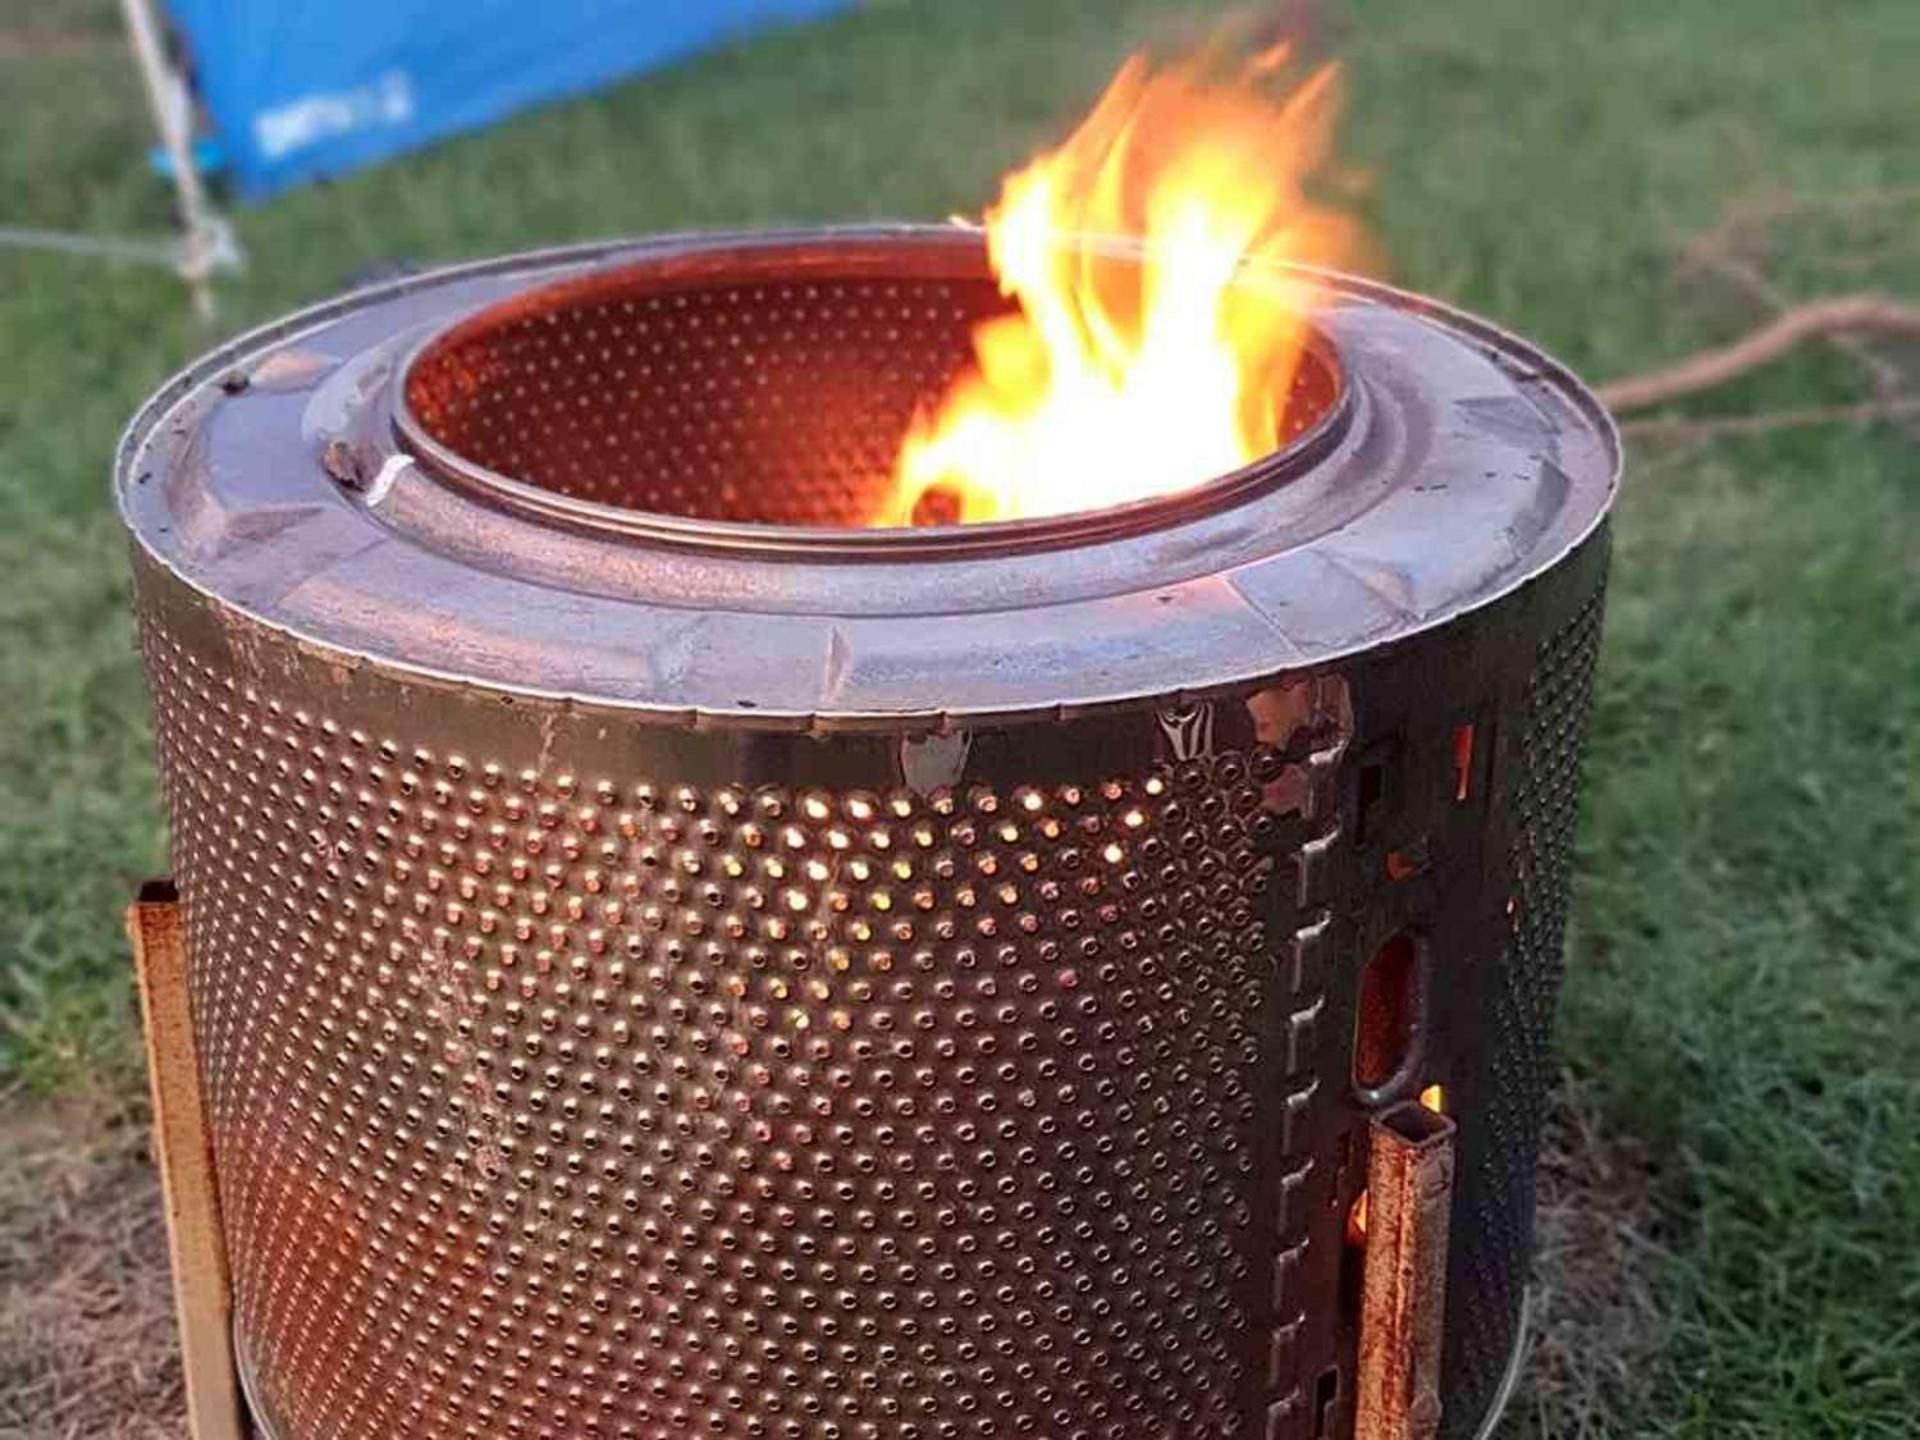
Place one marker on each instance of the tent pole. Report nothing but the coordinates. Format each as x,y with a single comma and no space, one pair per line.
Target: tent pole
172,115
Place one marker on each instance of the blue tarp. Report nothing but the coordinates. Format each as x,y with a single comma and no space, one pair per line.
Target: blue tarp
299,89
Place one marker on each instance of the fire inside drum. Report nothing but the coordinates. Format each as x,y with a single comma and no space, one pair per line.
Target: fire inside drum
739,397
666,962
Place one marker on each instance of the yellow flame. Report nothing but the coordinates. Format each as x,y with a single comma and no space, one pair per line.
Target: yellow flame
1154,340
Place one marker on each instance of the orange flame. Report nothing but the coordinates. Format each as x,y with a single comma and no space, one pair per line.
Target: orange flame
1154,341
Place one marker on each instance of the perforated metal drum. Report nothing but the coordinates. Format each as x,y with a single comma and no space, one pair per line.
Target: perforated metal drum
667,962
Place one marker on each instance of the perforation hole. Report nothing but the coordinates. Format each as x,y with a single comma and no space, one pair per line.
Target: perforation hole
1387,1013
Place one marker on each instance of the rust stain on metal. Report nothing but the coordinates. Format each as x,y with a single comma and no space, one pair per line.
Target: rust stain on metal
201,1294
346,467
1403,1293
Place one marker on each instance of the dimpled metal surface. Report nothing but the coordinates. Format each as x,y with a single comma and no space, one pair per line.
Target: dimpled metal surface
665,402
869,986
557,1096
1496,1194
556,1102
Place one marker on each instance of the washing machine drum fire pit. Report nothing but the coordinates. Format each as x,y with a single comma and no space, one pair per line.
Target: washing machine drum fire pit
666,960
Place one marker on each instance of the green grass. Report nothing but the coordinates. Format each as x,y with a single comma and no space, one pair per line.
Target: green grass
1746,962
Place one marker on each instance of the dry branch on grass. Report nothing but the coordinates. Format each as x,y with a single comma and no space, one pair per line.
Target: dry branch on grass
1720,250
1843,315
1713,427
1846,322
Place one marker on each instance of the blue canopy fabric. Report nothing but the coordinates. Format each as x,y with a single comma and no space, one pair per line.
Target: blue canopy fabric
299,89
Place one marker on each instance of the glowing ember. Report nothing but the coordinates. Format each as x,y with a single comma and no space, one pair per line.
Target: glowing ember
1155,341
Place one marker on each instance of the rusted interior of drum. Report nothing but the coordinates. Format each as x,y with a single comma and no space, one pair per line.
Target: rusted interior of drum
774,401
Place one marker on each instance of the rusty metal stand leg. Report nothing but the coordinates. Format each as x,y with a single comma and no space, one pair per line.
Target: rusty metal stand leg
201,1295
1403,1285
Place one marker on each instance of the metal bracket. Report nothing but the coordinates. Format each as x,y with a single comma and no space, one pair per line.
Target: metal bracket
1403,1289
202,1295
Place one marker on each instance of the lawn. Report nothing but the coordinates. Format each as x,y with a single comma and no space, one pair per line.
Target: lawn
1745,971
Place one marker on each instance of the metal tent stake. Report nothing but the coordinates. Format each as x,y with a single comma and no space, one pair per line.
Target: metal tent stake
206,243
201,1297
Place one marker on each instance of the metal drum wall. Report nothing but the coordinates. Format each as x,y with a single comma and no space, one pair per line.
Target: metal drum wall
589,1067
